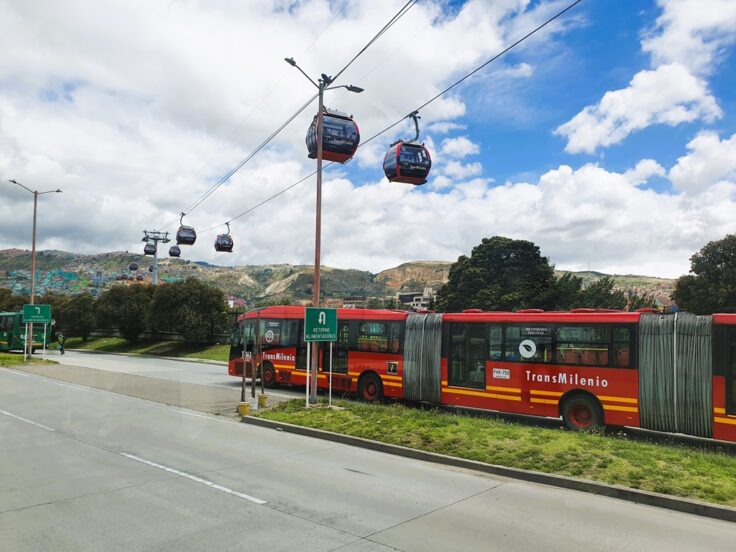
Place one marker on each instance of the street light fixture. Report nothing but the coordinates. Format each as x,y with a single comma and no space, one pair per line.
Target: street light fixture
35,193
323,84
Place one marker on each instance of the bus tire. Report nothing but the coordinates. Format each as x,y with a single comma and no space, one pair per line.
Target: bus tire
582,413
269,375
370,388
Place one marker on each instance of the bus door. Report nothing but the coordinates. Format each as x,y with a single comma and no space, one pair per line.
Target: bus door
467,363
340,350
730,369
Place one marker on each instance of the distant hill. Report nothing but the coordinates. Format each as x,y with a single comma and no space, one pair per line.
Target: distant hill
73,273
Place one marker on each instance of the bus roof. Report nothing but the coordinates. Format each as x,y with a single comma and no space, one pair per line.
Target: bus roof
297,311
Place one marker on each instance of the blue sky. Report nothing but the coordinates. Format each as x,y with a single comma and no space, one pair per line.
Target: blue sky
609,139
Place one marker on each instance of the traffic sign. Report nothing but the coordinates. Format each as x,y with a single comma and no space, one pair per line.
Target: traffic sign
320,324
36,314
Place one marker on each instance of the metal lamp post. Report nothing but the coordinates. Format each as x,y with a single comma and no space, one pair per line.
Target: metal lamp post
35,193
322,84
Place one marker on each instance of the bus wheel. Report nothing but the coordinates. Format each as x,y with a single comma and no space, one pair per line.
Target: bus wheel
269,376
370,388
581,413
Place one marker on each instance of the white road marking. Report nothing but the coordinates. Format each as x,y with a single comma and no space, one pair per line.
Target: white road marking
26,420
195,478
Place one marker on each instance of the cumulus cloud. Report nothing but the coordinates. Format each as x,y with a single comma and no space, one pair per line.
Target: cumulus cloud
684,47
643,171
457,170
459,147
709,161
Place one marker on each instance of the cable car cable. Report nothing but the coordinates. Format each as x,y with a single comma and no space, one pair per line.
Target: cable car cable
263,144
456,83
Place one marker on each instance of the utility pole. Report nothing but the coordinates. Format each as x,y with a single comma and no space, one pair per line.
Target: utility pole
36,193
322,84
153,236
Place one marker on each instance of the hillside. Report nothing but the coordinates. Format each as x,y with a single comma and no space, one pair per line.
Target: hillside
71,273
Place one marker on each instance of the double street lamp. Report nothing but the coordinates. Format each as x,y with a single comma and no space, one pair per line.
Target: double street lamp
322,84
36,193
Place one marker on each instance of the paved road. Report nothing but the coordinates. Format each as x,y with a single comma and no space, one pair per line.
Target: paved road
84,469
172,370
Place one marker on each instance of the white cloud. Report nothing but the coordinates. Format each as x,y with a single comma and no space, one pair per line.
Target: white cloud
692,32
667,95
710,160
643,171
684,46
459,147
522,70
458,170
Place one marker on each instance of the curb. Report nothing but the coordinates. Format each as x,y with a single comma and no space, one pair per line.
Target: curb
648,498
179,359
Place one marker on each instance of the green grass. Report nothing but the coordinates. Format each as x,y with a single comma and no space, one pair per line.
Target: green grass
16,359
162,348
663,468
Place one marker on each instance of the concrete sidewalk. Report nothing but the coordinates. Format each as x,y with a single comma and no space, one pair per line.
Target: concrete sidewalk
204,398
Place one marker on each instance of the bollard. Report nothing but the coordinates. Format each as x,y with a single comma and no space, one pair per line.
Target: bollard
243,409
262,401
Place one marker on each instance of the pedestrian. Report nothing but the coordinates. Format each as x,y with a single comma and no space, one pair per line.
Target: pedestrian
61,339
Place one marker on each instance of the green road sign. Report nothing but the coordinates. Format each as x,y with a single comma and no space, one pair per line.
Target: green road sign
320,324
36,314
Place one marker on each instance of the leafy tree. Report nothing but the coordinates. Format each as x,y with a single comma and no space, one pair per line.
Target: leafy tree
278,302
58,302
636,301
711,285
500,274
10,302
192,308
568,289
374,303
125,308
79,315
602,295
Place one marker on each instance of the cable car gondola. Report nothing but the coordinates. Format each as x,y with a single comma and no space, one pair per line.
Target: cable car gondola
174,251
149,249
186,234
340,136
133,267
224,242
408,162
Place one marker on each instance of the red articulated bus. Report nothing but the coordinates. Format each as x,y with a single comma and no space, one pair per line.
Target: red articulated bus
673,373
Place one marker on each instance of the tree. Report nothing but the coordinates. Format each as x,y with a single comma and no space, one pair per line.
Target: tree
374,303
125,308
79,315
568,289
10,302
602,295
500,274
192,308
711,285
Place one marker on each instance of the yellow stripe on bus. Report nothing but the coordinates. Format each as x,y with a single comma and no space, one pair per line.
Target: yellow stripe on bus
503,389
543,401
282,366
547,393
718,410
391,384
731,421
620,408
617,399
480,394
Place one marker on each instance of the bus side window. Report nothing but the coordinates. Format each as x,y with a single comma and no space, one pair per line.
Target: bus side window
621,348
495,342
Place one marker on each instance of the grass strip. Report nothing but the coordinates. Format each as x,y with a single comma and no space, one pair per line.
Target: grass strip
219,351
669,468
16,359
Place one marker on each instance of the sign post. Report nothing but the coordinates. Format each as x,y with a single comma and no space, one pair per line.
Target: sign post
36,314
320,325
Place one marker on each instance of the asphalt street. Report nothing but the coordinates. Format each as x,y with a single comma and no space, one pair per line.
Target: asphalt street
183,371
87,469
